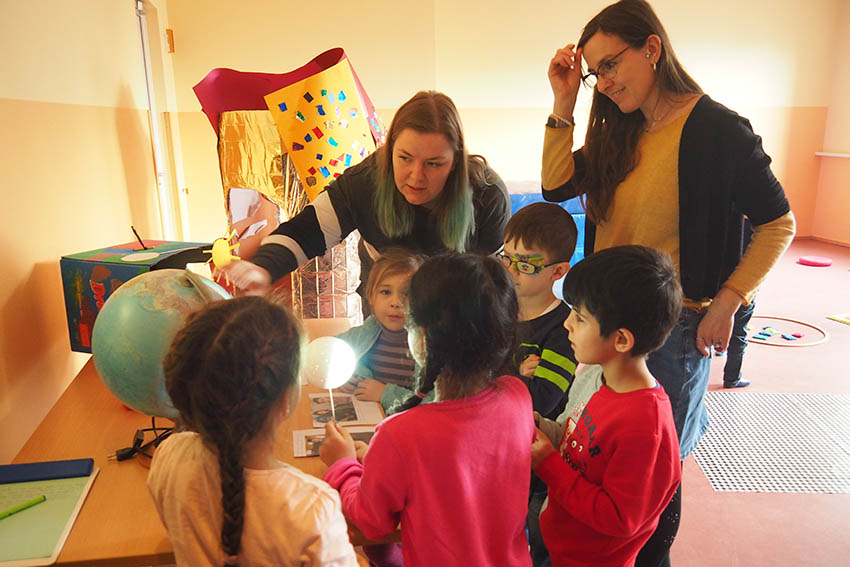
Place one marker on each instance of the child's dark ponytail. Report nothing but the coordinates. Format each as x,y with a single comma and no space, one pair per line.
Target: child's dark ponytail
425,385
232,501
227,369
466,307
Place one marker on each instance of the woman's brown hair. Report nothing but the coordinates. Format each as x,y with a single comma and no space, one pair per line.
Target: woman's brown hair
610,147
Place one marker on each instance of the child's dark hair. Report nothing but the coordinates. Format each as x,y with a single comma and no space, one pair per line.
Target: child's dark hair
466,306
227,368
392,261
628,287
546,227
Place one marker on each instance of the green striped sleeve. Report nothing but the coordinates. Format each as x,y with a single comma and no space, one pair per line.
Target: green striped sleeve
564,367
559,360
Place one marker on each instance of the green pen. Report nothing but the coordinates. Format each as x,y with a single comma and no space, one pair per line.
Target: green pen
24,506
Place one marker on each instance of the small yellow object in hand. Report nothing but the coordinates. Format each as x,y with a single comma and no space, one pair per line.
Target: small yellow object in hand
220,253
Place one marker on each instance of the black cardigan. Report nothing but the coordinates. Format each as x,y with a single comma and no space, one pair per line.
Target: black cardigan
724,175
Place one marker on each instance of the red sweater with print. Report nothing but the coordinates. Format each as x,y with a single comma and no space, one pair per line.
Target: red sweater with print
613,474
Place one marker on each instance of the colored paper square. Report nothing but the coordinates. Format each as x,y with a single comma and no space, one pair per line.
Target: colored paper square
282,107
331,98
324,92
347,160
329,124
336,110
310,181
333,142
320,157
308,138
299,116
312,171
318,133
333,162
325,171
308,97
321,110
353,113
341,96
343,123
296,146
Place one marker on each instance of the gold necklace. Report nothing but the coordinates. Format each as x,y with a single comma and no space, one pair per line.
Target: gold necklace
660,118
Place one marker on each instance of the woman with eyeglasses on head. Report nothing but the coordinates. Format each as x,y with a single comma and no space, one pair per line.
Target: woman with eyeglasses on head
665,166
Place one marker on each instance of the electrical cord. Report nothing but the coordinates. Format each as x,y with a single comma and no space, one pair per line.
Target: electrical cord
139,447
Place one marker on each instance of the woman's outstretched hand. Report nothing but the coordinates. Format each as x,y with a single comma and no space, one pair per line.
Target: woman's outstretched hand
247,276
565,79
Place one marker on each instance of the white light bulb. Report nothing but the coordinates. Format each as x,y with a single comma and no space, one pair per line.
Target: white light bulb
328,362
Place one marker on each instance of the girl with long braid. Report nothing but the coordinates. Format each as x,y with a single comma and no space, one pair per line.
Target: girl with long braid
454,472
232,373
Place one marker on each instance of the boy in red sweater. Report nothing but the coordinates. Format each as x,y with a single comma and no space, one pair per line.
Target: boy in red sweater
617,465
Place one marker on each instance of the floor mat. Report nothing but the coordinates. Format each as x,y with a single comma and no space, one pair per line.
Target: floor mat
763,442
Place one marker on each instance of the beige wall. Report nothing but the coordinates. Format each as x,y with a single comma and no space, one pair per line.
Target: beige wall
490,56
832,204
76,148
77,168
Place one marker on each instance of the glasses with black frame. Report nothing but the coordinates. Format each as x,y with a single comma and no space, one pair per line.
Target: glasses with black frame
607,70
522,264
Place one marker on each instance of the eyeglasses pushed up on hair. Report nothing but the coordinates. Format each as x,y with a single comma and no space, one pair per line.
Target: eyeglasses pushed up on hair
607,70
523,265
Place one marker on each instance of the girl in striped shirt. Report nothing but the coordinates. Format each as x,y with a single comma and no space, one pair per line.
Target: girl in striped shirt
385,370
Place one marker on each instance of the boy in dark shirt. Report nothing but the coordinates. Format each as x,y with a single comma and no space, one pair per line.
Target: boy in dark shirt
539,241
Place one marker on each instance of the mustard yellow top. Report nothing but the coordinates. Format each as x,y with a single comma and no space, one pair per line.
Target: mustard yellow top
645,208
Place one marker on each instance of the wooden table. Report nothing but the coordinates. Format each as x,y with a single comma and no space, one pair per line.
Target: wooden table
118,524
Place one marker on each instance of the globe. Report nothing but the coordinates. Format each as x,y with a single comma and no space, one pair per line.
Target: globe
134,329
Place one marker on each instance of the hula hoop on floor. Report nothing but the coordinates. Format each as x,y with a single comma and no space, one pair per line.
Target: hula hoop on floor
785,343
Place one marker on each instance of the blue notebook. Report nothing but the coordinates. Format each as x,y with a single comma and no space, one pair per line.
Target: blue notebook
35,536
48,470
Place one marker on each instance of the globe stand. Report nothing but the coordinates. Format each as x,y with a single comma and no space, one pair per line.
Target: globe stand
140,447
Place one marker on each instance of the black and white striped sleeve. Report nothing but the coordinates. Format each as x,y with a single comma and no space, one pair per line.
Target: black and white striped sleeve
308,234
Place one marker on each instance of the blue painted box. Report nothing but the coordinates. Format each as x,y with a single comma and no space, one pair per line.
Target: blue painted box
89,278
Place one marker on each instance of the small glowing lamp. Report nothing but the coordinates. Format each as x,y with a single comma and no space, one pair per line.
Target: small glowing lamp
328,363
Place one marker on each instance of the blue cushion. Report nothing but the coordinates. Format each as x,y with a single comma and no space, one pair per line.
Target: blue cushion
519,200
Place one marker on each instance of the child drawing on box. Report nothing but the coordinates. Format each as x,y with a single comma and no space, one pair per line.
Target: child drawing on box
454,472
385,369
232,373
616,466
539,242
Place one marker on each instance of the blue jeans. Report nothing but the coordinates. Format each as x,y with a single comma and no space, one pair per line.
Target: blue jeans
737,344
683,372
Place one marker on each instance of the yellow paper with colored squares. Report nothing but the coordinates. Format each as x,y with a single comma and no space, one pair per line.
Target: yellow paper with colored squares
322,125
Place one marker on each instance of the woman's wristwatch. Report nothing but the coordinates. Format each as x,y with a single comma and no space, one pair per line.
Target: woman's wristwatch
556,121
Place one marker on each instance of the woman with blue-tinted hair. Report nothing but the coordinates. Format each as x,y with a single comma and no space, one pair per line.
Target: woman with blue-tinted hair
421,191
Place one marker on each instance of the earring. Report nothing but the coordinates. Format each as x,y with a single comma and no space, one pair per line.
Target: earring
647,55
653,66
